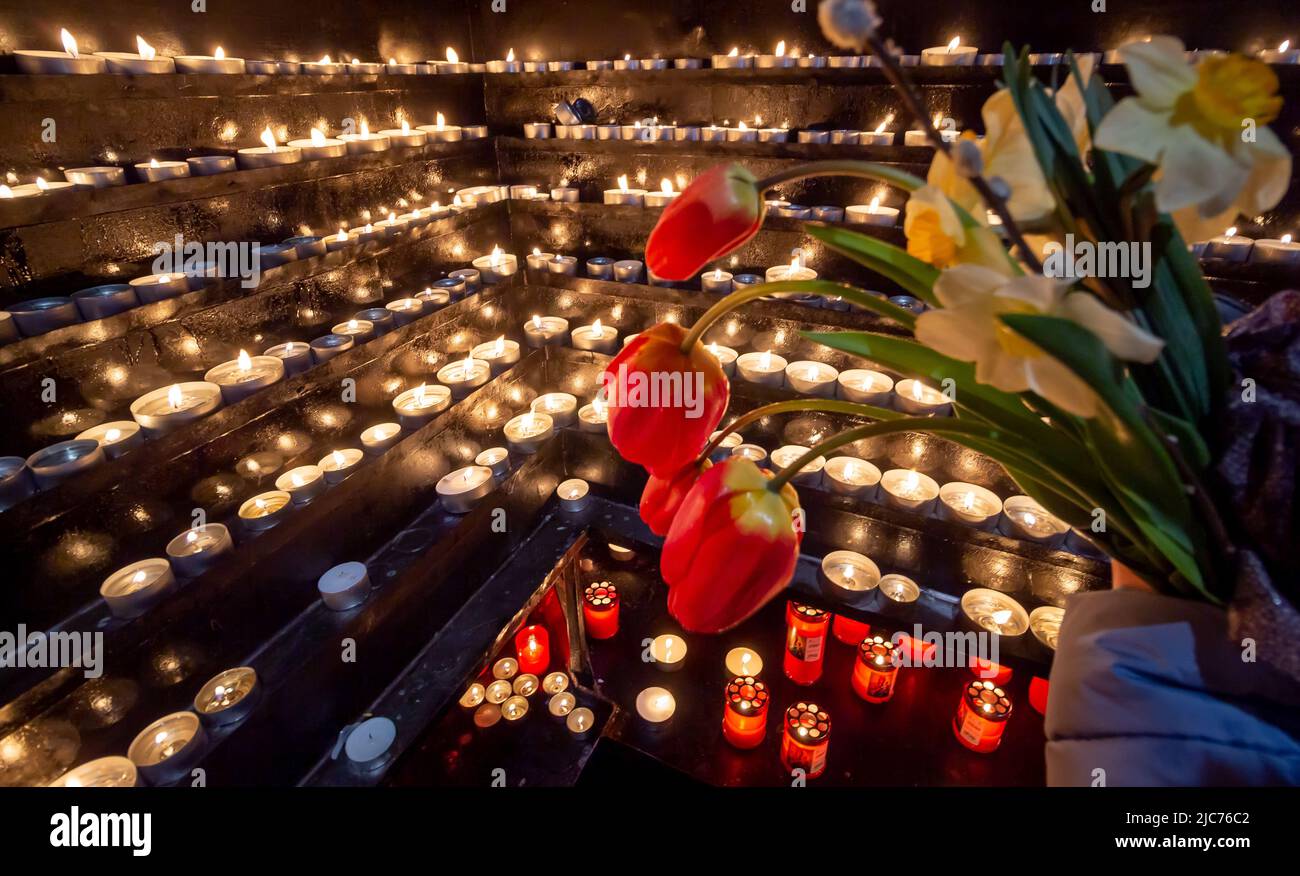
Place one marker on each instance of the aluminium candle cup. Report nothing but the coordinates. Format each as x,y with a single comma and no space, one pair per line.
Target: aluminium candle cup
534,66
471,278
574,495
562,131
627,270
538,130
401,137
560,407
742,135
726,357
273,255
134,589
113,771
453,288
625,197
265,510
345,586
295,355
610,131
461,490
559,66
497,459
773,135
563,266
850,476
1024,518
101,302
95,177
729,442
474,132
198,549
943,56
844,61
688,63
360,330
208,64
52,465
228,697
582,132
866,387
546,331
41,315
731,62
340,240
434,300
259,67
253,157
808,476
338,465
897,596
763,369
380,437
753,452
307,246
499,354
1271,251
687,133
913,397
327,148
420,404
848,577
159,287
600,268
444,134
654,64
156,414
875,138
991,611
8,329
16,481
381,318
865,214
238,383
130,62
405,311
814,136
565,194
116,437
716,281
1232,248
592,419
303,483
169,748
491,271
523,439
39,61
627,63
463,376
812,378
33,190
1045,625
969,504
392,68
909,490
593,338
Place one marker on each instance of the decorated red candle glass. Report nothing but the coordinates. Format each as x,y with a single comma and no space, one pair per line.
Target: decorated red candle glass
805,640
876,668
534,648
981,716
744,713
600,610
806,738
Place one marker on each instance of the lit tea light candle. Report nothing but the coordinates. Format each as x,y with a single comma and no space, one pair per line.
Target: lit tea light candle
67,61
573,494
473,695
526,685
812,378
345,586
198,549
170,407
441,132
878,137
514,708
580,720
303,483
464,376
533,649
655,705
392,226
561,704
594,417
420,404
1024,518
245,375
159,287
743,661
269,154
849,476
765,369
793,271
725,355
380,438
497,266
364,142
326,66
915,397
994,612
1045,623
294,356
144,60
360,330
717,281
627,270
154,170
39,188
753,452
981,716
227,697
561,407
729,442
909,490
668,653
663,197
537,259
742,133
328,346
497,459
265,510
814,136
1283,54
625,195
563,265
898,594
527,432
217,62
1229,246
871,214
505,669
318,146
499,354
849,574
338,464
546,331
405,135
1282,251
115,438
970,504
103,772
405,311
555,682
952,55
810,475
461,489
805,739
866,387
596,337
134,589
167,749
565,193
733,60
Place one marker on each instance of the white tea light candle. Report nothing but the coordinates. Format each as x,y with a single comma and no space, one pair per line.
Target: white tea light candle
303,483
850,476
909,490
134,589
461,489
345,586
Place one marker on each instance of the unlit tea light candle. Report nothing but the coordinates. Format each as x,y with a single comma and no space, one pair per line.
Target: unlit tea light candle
345,586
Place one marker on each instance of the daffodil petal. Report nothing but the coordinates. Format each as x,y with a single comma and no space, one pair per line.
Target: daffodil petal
1195,171
1124,338
1061,386
967,283
1158,70
1132,129
956,334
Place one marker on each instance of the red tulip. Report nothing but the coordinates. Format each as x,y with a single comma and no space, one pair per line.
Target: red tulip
663,403
731,548
662,497
721,209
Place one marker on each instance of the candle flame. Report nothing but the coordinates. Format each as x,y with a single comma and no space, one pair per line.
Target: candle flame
765,361
245,362
874,205
622,183
954,43
219,54
268,138
780,47
365,129
343,235
392,218
1031,519
666,186
192,536
717,274
297,479
69,42
500,348
260,503
596,328
325,59
510,55
174,396
452,57
537,322
1286,238
441,121
1001,616
1284,45
146,51
741,125
598,405
317,138
420,394
112,435
1231,232
339,459
912,482
495,259
735,51
529,421
406,126
153,162
917,390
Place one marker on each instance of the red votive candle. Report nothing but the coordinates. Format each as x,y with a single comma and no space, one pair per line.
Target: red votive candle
805,640
600,610
848,630
744,712
876,669
534,648
981,716
987,670
806,738
1038,690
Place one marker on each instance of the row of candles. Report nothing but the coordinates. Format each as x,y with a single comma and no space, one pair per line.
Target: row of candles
147,60
514,680
1238,249
652,130
316,146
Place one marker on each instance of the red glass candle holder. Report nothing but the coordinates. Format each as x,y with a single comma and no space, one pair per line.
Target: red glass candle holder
600,610
744,712
533,645
848,630
981,716
986,670
1038,690
806,739
805,641
876,669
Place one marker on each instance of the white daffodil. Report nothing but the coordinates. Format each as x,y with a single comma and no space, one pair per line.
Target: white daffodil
935,234
968,327
1206,130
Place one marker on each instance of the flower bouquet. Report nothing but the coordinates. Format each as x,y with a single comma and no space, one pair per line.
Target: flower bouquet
1113,398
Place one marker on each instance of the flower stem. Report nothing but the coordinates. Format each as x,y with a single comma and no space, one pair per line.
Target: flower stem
864,169
719,310
803,404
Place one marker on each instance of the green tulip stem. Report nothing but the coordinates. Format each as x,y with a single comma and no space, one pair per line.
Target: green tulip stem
801,404
719,310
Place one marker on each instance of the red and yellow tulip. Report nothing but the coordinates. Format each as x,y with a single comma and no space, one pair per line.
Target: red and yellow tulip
663,496
718,211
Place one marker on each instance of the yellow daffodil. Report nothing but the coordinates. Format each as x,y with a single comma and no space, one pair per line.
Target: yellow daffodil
968,327
1206,130
935,234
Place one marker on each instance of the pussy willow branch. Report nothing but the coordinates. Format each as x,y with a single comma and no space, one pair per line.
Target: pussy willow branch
912,103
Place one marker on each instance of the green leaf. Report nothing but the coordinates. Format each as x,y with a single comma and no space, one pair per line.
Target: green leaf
826,288
909,272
